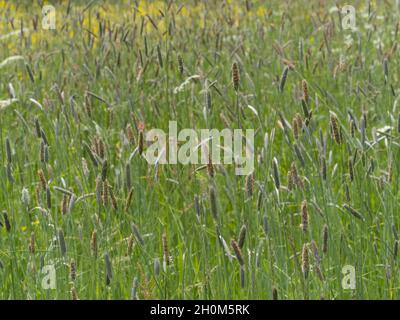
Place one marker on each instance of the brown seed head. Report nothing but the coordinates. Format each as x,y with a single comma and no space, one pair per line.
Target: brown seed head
165,248
305,265
305,90
304,216
237,251
334,123
325,236
235,76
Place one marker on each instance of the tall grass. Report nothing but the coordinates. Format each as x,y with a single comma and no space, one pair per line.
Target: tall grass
77,194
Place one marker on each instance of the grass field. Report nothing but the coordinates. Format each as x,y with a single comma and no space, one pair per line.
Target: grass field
85,216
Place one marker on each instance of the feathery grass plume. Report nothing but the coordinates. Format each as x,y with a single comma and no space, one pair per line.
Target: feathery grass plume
93,243
180,64
72,270
395,249
274,294
238,252
265,225
157,267
325,236
8,150
242,277
351,169
42,179
99,190
104,170
137,234
165,249
275,172
299,120
334,123
213,203
48,197
64,204
304,216
134,289
61,242
353,211
305,263
283,79
242,236
295,128
105,194
294,180
6,221
109,273
249,184
74,294
128,200
305,90
37,127
235,76
32,243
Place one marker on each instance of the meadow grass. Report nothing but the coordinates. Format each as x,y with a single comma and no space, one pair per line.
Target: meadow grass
76,194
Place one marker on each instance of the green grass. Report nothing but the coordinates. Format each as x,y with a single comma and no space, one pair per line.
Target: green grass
126,80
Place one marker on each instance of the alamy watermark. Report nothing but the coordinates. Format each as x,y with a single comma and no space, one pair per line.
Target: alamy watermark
48,17
349,277
237,147
49,277
348,17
